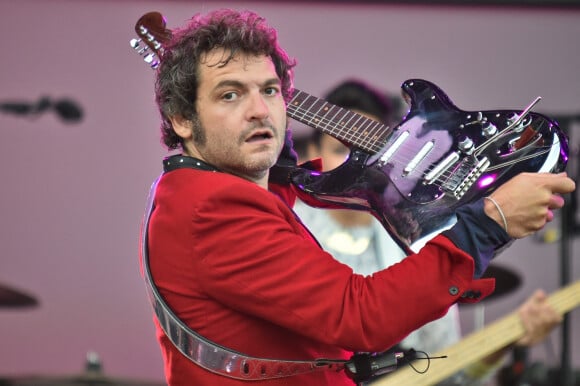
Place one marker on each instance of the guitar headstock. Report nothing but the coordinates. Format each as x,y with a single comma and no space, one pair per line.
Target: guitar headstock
153,34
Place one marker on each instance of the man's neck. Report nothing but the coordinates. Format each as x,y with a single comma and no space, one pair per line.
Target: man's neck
260,180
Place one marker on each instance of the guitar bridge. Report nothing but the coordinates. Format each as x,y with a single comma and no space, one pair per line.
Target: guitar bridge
465,176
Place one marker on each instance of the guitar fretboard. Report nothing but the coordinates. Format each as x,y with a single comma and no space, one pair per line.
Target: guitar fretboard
342,124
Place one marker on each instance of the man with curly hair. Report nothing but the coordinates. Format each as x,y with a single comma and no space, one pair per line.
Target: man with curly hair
234,263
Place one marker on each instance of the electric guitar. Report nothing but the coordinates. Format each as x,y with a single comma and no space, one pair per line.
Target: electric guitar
476,346
411,177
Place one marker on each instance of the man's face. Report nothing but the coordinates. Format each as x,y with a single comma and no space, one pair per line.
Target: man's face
242,116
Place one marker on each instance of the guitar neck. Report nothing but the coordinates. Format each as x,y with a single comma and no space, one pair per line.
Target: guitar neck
345,125
477,345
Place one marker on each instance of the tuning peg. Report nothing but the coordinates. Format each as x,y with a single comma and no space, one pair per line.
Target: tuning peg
135,43
151,60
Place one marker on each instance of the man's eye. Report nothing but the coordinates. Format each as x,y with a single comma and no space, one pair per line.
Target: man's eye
271,91
229,96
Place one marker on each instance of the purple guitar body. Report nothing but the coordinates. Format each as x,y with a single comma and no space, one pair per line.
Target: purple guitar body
414,176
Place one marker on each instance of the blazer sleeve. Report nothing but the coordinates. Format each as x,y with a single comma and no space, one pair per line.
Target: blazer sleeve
257,258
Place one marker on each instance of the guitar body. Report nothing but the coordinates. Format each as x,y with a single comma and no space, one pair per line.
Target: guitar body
437,159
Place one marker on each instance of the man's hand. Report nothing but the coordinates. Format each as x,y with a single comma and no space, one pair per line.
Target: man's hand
538,318
527,201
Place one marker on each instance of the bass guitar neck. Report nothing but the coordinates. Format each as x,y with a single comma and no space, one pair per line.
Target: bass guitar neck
476,346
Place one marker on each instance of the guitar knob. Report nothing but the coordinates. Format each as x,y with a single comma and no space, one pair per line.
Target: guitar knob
466,145
513,118
489,129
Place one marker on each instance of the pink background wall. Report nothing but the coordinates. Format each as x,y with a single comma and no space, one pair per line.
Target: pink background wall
72,195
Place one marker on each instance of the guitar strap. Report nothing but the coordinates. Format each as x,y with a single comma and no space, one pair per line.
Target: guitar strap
203,352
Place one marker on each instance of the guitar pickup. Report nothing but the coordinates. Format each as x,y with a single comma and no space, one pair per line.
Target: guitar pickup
392,149
441,167
420,156
464,177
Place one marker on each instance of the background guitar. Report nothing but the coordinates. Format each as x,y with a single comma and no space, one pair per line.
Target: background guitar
476,346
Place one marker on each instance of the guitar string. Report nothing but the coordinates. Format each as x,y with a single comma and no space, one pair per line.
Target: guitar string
402,157
325,122
346,112
371,128
508,129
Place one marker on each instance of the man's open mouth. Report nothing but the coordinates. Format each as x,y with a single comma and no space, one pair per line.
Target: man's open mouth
260,136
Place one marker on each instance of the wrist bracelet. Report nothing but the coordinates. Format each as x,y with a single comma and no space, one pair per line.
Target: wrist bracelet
499,210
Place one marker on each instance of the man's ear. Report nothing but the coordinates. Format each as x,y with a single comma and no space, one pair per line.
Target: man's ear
182,127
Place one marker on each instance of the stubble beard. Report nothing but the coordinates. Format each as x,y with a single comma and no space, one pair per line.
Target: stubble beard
253,168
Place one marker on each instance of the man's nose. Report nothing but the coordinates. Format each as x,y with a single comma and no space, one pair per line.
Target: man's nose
258,108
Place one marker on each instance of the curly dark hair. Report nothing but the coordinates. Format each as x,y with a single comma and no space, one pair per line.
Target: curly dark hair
177,75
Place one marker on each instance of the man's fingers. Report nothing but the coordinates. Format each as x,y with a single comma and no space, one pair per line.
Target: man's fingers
560,184
556,202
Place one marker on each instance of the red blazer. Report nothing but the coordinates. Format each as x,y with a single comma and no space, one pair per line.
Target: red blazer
234,263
